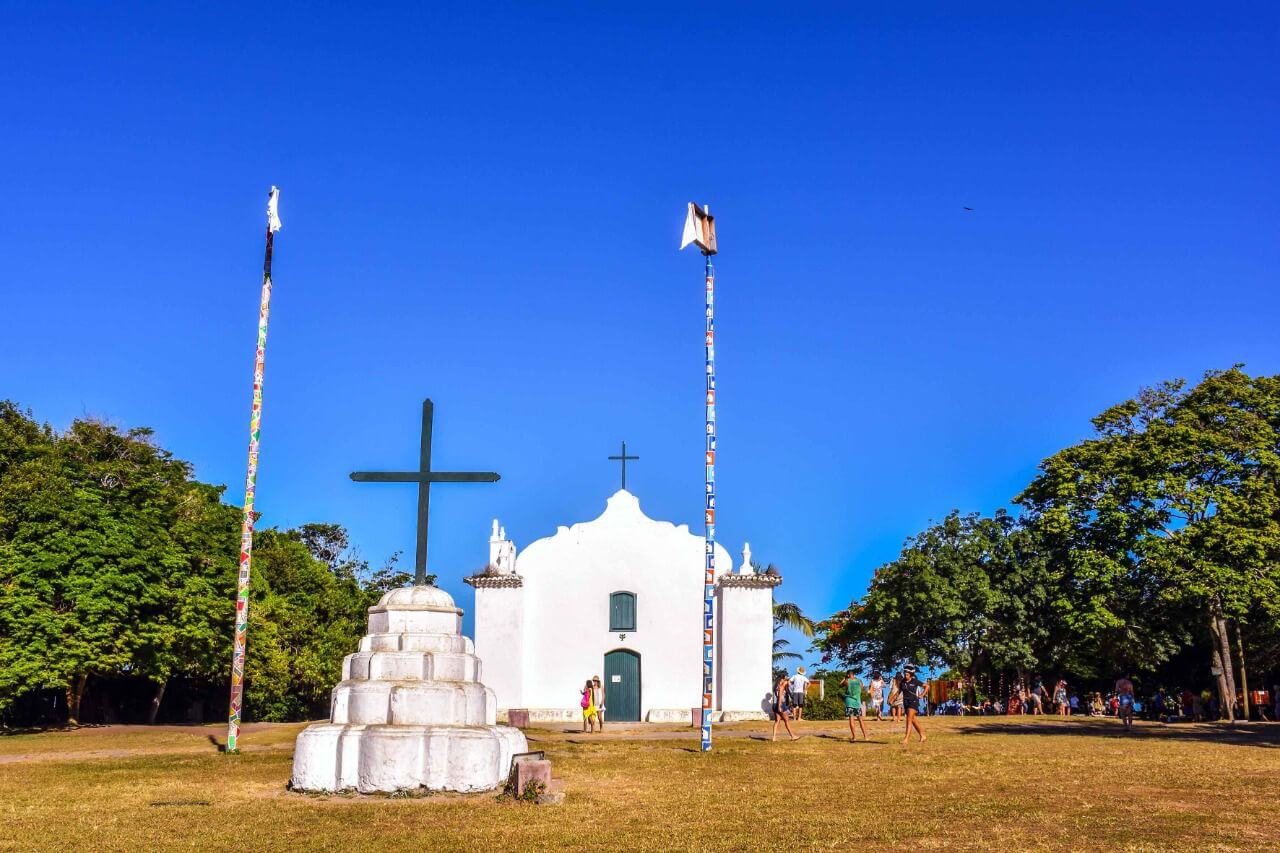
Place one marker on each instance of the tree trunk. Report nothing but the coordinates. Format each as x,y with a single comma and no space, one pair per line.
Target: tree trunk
155,700
75,692
1223,672
1223,648
1244,677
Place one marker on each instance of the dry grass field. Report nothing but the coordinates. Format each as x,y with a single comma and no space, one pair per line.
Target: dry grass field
1004,783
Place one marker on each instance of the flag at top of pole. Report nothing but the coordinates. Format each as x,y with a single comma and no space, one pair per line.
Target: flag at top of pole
251,482
700,230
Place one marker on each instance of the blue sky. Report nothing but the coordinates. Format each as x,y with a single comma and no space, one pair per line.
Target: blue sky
483,206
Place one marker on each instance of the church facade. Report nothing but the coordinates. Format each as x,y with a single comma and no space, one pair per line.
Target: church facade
620,597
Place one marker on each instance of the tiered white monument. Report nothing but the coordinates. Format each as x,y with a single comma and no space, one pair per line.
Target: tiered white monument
410,711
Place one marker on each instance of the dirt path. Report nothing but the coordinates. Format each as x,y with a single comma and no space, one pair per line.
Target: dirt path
93,754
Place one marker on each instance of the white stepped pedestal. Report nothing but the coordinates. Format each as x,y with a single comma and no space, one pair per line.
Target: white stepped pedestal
410,711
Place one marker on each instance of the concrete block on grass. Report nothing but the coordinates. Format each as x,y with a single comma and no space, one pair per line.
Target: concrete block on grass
535,770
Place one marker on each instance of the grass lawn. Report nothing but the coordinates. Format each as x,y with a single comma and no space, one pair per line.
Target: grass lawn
977,783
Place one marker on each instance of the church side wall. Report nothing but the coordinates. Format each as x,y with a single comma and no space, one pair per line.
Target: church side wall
499,621
746,649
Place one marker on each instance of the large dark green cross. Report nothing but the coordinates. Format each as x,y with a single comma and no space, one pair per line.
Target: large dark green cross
424,477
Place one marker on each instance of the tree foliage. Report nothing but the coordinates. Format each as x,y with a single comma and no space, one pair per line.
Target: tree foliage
115,562
1131,547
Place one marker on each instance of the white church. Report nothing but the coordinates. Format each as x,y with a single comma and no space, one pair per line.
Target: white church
620,597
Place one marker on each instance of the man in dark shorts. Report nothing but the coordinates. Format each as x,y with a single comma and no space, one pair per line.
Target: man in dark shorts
852,685
799,687
911,702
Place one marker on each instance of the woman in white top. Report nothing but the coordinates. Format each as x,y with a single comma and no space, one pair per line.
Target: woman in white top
877,692
597,692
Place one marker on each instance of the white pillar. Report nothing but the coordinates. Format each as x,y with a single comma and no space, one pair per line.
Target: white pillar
500,636
746,656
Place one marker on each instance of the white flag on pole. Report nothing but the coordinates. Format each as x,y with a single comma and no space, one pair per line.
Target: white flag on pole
273,210
700,230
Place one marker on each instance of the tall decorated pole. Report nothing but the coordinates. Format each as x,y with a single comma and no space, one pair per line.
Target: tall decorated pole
250,483
700,230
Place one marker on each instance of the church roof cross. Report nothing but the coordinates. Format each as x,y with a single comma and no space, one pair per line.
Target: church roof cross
424,477
623,458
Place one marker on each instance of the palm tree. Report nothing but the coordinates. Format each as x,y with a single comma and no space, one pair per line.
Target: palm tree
788,615
780,653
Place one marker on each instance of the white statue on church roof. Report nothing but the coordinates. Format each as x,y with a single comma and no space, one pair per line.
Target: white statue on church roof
502,551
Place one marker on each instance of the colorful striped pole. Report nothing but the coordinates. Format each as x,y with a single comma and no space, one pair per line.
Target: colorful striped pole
250,485
709,580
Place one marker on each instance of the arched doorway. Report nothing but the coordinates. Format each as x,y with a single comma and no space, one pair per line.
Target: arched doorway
622,686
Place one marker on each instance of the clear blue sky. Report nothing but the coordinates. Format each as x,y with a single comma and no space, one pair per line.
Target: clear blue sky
483,206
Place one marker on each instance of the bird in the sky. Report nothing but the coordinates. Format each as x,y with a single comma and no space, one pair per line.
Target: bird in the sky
968,208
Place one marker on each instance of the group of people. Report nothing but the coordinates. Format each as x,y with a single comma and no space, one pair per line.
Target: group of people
1040,699
906,696
1188,706
593,705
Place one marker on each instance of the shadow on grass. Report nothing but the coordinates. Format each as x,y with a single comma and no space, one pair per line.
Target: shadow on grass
38,730
1264,735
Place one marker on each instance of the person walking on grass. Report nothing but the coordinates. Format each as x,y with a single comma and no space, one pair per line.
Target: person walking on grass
1124,698
1036,699
895,698
1060,698
877,693
799,686
782,706
853,704
588,708
597,694
910,695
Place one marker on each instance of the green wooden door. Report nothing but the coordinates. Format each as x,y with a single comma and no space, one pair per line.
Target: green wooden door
622,686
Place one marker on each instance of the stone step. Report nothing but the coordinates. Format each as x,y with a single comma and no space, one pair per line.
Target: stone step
411,666
402,642
335,757
413,703
414,621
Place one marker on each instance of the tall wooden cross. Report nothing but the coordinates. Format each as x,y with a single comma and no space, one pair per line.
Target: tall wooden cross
424,477
624,457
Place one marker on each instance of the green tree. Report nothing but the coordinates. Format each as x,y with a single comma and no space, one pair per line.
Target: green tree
307,613
1172,507
787,615
88,556
969,592
116,562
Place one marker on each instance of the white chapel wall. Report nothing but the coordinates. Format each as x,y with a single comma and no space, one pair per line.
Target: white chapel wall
746,648
499,621
568,578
